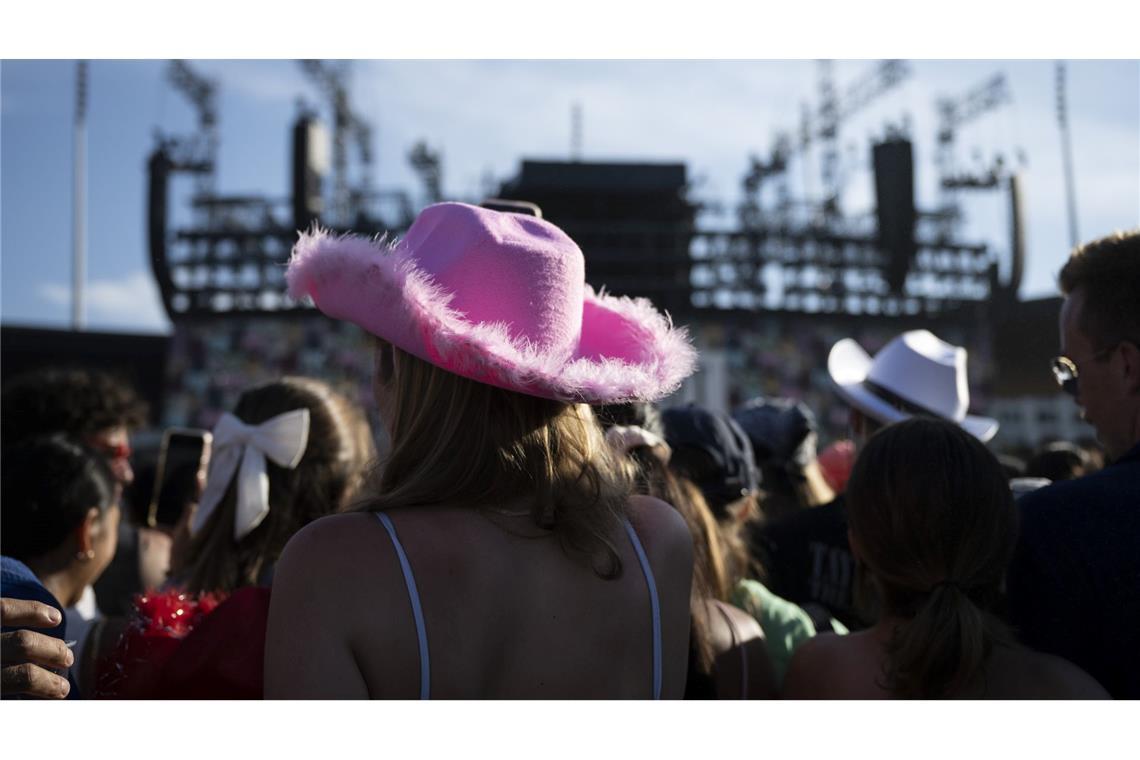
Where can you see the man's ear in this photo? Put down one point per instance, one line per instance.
(1130, 361)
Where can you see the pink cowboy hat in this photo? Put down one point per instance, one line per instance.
(496, 297)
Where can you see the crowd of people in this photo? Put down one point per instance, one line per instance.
(543, 525)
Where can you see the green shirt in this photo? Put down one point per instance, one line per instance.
(785, 625)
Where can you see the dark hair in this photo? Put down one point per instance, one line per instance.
(934, 521)
(73, 401)
(1058, 461)
(1108, 270)
(49, 485)
(331, 472)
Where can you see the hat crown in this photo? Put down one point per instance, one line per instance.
(925, 370)
(729, 468)
(505, 268)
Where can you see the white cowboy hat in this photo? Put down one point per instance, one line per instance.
(916, 373)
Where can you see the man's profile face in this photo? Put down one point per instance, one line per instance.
(1096, 394)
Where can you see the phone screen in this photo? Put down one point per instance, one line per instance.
(181, 460)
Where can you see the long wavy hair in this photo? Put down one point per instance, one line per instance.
(934, 522)
(458, 441)
(332, 472)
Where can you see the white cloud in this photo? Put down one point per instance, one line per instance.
(126, 303)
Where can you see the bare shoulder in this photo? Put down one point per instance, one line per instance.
(745, 624)
(1028, 674)
(327, 540)
(813, 666)
(657, 521)
(338, 555)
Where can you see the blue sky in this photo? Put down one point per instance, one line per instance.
(485, 116)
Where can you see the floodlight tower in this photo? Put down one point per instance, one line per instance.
(953, 114)
(202, 94)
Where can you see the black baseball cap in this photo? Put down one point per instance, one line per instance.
(782, 431)
(713, 451)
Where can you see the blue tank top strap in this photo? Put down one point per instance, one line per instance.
(654, 606)
(417, 611)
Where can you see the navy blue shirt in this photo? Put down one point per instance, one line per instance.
(17, 581)
(808, 561)
(1074, 584)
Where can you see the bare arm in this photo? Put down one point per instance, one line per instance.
(307, 649)
(669, 547)
(749, 651)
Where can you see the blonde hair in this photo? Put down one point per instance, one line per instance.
(458, 441)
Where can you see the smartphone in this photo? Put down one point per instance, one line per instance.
(182, 459)
(526, 208)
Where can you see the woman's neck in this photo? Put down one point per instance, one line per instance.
(58, 579)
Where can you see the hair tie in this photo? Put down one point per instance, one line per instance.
(948, 583)
(282, 439)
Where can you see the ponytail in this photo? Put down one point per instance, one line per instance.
(933, 522)
(942, 649)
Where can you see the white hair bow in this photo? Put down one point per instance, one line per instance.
(282, 439)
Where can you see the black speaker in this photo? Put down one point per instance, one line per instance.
(310, 164)
(1016, 238)
(894, 208)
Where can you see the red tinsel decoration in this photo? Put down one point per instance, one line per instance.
(160, 621)
(172, 613)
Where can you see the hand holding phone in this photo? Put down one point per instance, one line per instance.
(180, 476)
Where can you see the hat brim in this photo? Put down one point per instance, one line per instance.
(848, 365)
(627, 350)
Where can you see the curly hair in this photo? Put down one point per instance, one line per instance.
(77, 402)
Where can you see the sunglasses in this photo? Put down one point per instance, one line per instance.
(1066, 373)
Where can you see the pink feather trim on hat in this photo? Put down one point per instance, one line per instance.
(530, 324)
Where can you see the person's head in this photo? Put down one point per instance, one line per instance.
(783, 436)
(1100, 337)
(227, 551)
(60, 510)
(458, 441)
(490, 347)
(932, 519)
(712, 450)
(89, 405)
(1056, 461)
(916, 374)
